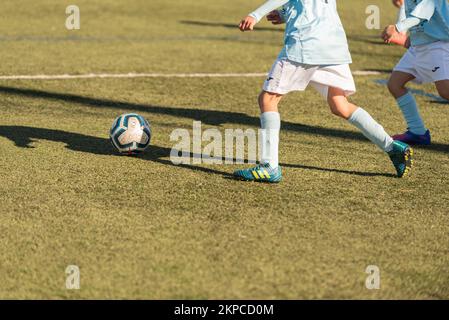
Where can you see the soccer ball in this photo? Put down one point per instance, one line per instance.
(130, 134)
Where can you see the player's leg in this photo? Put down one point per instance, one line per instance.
(285, 76)
(443, 88)
(270, 122)
(357, 116)
(269, 102)
(400, 153)
(417, 133)
(397, 82)
(339, 104)
(439, 55)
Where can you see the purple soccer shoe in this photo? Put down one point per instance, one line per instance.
(414, 139)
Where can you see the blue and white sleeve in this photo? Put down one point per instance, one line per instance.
(408, 23)
(424, 10)
(266, 8)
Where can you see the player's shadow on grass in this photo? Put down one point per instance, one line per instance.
(368, 39)
(23, 137)
(350, 172)
(209, 117)
(440, 102)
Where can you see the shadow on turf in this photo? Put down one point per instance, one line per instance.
(210, 117)
(375, 40)
(355, 173)
(24, 136)
(440, 102)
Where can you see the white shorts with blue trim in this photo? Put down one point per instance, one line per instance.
(286, 76)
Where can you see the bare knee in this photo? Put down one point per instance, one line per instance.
(342, 110)
(397, 89)
(444, 94)
(269, 101)
(339, 105)
(338, 113)
(396, 83)
(443, 89)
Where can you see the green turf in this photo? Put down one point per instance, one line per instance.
(145, 228)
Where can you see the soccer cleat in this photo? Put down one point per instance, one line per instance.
(260, 173)
(402, 158)
(414, 139)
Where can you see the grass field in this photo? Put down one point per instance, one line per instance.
(141, 227)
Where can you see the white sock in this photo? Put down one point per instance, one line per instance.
(271, 125)
(371, 129)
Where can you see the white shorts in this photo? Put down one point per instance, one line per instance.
(286, 76)
(427, 63)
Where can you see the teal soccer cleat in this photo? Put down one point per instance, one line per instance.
(402, 158)
(260, 173)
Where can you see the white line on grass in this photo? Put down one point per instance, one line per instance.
(151, 75)
(368, 73)
(131, 75)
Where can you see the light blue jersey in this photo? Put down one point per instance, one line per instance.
(434, 15)
(314, 34)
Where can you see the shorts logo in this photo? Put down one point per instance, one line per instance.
(269, 79)
(435, 70)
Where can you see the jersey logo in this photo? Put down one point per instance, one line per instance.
(435, 70)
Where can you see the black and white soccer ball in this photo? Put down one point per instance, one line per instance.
(130, 134)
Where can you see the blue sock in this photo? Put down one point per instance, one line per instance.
(409, 108)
